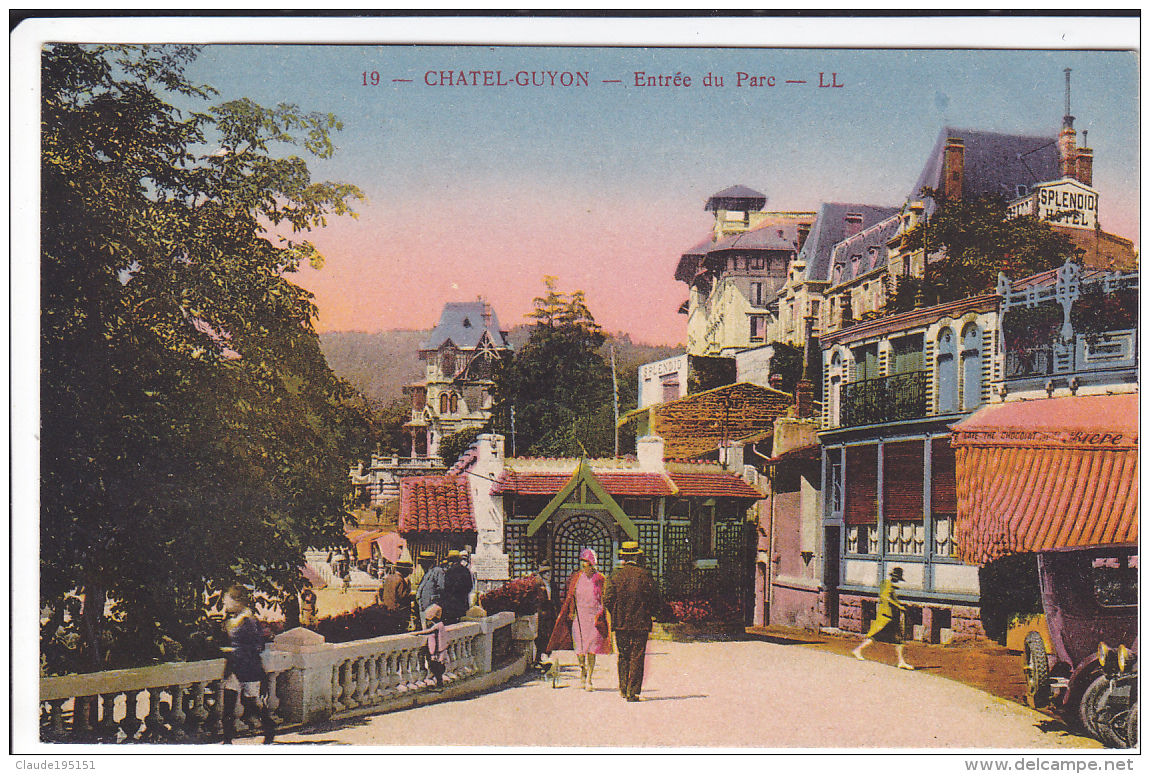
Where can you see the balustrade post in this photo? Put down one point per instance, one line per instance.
(177, 717)
(153, 723)
(56, 719)
(351, 686)
(198, 713)
(215, 724)
(336, 688)
(81, 722)
(105, 723)
(272, 700)
(371, 679)
(390, 673)
(131, 722)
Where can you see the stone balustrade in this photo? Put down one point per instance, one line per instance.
(309, 680)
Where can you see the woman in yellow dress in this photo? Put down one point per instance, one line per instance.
(887, 626)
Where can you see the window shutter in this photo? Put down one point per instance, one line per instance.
(902, 479)
(943, 499)
(861, 485)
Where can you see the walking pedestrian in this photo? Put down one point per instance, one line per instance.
(395, 598)
(309, 609)
(244, 674)
(546, 607)
(430, 591)
(457, 585)
(631, 598)
(887, 626)
(582, 621)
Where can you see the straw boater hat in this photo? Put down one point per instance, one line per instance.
(454, 556)
(403, 564)
(630, 548)
(426, 555)
(545, 567)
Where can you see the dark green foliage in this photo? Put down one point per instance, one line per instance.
(1031, 326)
(192, 432)
(787, 362)
(392, 418)
(707, 373)
(1008, 587)
(979, 241)
(558, 383)
(454, 445)
(1096, 312)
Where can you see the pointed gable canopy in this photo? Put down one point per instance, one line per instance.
(581, 483)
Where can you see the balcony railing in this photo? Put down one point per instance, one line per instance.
(887, 399)
(1034, 361)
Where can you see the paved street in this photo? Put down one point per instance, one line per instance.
(721, 694)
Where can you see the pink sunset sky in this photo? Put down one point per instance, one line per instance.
(481, 191)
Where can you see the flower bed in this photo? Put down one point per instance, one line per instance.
(519, 596)
(705, 609)
(360, 624)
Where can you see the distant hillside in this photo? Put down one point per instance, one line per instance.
(379, 364)
(376, 364)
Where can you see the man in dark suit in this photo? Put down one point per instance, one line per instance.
(631, 598)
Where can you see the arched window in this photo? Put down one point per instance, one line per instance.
(971, 366)
(454, 403)
(947, 371)
(444, 403)
(836, 387)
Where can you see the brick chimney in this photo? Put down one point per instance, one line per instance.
(776, 381)
(804, 399)
(853, 224)
(804, 232)
(1085, 165)
(953, 160)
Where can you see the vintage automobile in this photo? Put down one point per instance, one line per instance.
(1087, 669)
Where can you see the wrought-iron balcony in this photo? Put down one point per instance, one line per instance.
(887, 399)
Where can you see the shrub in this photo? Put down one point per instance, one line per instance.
(519, 596)
(700, 609)
(360, 624)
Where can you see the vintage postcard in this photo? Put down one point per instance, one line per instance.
(575, 384)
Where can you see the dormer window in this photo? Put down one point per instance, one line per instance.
(1021, 190)
(756, 263)
(780, 233)
(466, 322)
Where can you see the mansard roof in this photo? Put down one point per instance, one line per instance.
(869, 244)
(993, 163)
(462, 324)
(829, 229)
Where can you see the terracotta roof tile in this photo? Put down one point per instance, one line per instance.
(638, 484)
(714, 485)
(435, 504)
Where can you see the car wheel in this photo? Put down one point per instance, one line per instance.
(1037, 670)
(1092, 701)
(1132, 726)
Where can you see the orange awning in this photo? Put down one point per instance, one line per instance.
(1041, 474)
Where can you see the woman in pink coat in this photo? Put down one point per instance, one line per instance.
(582, 623)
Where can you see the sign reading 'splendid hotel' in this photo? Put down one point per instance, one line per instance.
(1064, 202)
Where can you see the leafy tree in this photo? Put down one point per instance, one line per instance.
(192, 432)
(558, 383)
(978, 241)
(393, 438)
(454, 445)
